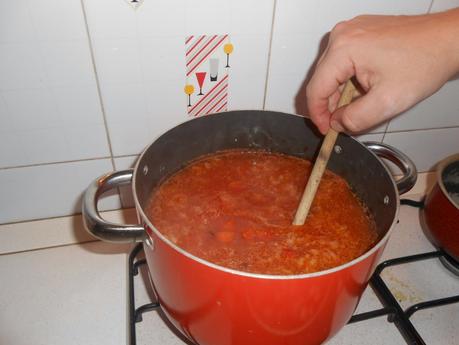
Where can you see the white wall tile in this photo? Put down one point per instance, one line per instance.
(43, 20)
(138, 113)
(162, 58)
(207, 17)
(30, 109)
(443, 5)
(161, 18)
(299, 27)
(49, 105)
(248, 71)
(51, 125)
(369, 137)
(20, 66)
(19, 148)
(291, 51)
(439, 110)
(124, 100)
(126, 162)
(78, 105)
(286, 94)
(57, 20)
(321, 16)
(117, 60)
(110, 19)
(17, 25)
(165, 107)
(85, 141)
(67, 63)
(125, 108)
(249, 17)
(142, 76)
(43, 108)
(426, 147)
(130, 138)
(166, 104)
(49, 190)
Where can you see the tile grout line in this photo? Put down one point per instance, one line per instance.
(136, 155)
(269, 54)
(66, 162)
(78, 214)
(99, 93)
(49, 247)
(385, 131)
(54, 163)
(422, 129)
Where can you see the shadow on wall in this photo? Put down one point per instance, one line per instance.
(301, 106)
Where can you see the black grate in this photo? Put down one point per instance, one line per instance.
(391, 308)
(135, 314)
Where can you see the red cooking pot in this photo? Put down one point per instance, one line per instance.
(214, 305)
(441, 208)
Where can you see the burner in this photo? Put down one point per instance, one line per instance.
(451, 264)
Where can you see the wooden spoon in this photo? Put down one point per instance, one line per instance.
(321, 161)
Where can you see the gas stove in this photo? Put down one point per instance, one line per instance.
(412, 297)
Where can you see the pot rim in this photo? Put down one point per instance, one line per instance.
(344, 266)
(439, 172)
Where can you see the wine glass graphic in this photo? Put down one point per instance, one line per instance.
(200, 76)
(189, 89)
(228, 49)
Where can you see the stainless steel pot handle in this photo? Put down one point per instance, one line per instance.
(401, 160)
(100, 228)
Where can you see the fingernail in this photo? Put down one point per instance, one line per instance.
(336, 126)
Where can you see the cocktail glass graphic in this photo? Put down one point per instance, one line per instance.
(200, 76)
(228, 49)
(189, 89)
(213, 68)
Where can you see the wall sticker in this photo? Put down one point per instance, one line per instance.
(207, 73)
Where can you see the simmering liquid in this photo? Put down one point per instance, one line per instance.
(235, 209)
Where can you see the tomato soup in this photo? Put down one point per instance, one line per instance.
(235, 209)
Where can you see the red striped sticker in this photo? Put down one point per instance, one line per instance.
(207, 65)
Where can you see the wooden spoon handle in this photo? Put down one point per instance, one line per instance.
(321, 161)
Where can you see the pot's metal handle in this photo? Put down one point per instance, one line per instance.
(100, 228)
(401, 160)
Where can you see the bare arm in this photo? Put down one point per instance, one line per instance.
(398, 61)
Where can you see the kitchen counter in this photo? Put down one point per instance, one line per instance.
(77, 294)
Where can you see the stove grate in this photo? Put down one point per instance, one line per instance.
(135, 314)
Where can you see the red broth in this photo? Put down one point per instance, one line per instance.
(235, 209)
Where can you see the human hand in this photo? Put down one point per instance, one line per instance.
(397, 60)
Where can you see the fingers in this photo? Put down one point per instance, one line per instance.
(334, 99)
(365, 112)
(330, 73)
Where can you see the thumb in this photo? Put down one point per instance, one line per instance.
(363, 113)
